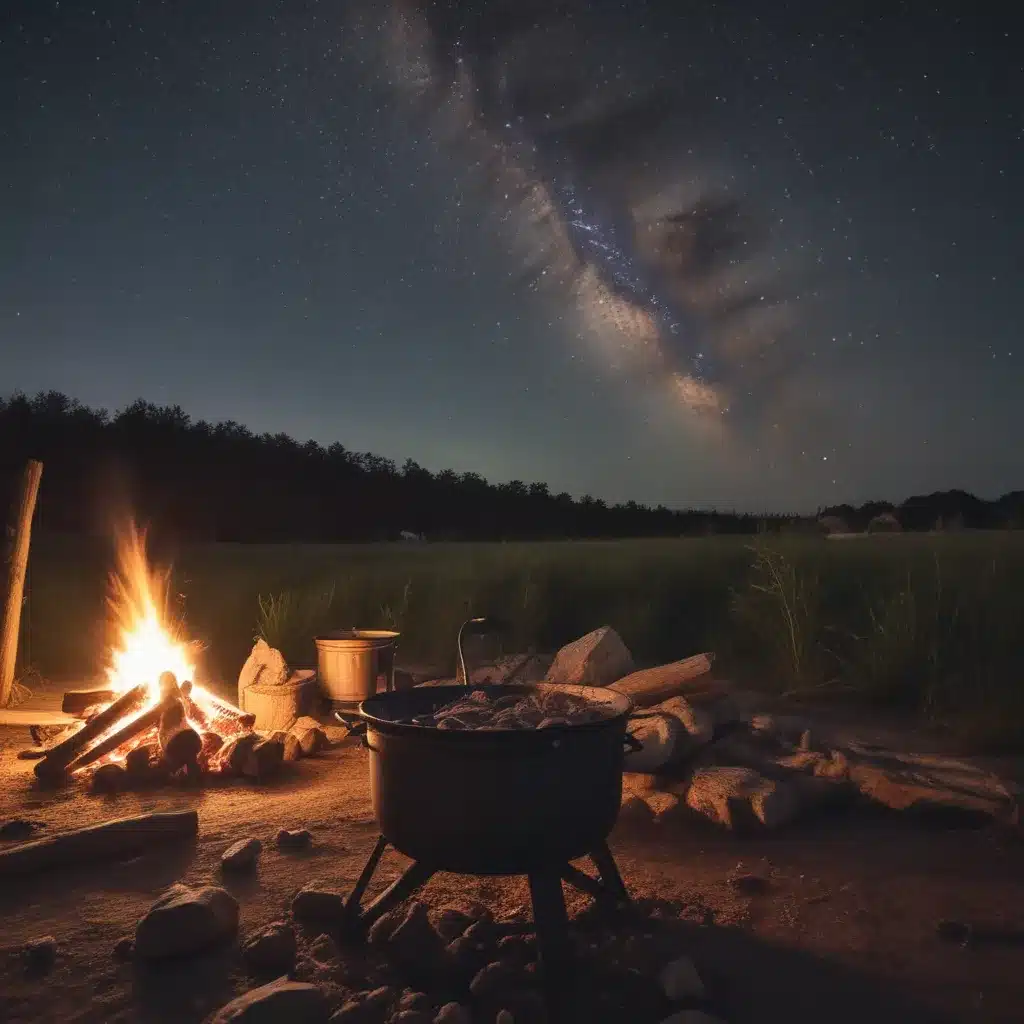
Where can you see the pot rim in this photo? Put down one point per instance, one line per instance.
(450, 692)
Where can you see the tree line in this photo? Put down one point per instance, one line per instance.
(191, 480)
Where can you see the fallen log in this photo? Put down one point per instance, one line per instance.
(651, 686)
(76, 702)
(55, 764)
(179, 742)
(142, 723)
(110, 840)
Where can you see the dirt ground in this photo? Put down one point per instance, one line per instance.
(845, 931)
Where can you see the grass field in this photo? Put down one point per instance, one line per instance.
(929, 623)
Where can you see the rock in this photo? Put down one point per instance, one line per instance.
(930, 786)
(271, 949)
(292, 748)
(740, 798)
(314, 903)
(265, 666)
(241, 856)
(304, 722)
(17, 828)
(518, 950)
(281, 1000)
(412, 1000)
(311, 740)
(494, 980)
(412, 1017)
(597, 659)
(322, 949)
(124, 948)
(236, 750)
(453, 1013)
(294, 839)
(108, 778)
(40, 954)
(381, 930)
(680, 981)
(367, 1007)
(137, 763)
(335, 734)
(658, 736)
(467, 955)
(186, 920)
(414, 940)
(451, 923)
(661, 805)
(263, 760)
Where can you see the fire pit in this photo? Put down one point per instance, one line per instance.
(498, 796)
(154, 720)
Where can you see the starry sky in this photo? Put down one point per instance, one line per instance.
(734, 255)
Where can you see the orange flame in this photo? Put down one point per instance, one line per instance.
(147, 645)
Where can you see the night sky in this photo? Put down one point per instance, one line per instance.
(747, 255)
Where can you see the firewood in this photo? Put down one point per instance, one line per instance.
(167, 685)
(653, 685)
(77, 702)
(130, 731)
(123, 837)
(225, 715)
(55, 764)
(179, 742)
(195, 713)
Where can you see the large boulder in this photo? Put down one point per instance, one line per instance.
(597, 659)
(186, 920)
(265, 666)
(281, 1000)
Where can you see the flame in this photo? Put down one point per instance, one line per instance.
(147, 646)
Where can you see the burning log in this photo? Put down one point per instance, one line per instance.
(55, 764)
(240, 721)
(123, 837)
(179, 742)
(77, 702)
(136, 726)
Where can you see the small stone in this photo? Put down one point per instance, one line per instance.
(453, 1013)
(451, 923)
(294, 839)
(381, 929)
(264, 760)
(311, 740)
(336, 734)
(186, 920)
(413, 1000)
(124, 948)
(17, 828)
(292, 747)
(293, 1001)
(322, 949)
(241, 856)
(414, 940)
(468, 956)
(517, 949)
(271, 949)
(40, 954)
(108, 778)
(680, 981)
(312, 903)
(493, 980)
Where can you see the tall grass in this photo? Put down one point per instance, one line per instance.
(926, 623)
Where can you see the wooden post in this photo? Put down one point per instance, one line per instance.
(16, 579)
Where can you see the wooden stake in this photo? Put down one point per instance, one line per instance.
(16, 578)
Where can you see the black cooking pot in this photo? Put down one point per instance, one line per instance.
(495, 802)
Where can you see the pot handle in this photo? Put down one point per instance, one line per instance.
(632, 744)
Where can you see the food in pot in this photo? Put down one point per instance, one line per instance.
(541, 710)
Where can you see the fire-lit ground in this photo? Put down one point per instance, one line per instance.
(845, 931)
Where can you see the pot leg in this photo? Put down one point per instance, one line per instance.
(608, 872)
(408, 882)
(552, 925)
(352, 907)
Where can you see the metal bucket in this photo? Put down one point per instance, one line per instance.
(354, 664)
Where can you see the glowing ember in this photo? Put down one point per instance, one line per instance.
(139, 602)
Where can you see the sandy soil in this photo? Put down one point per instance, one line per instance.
(844, 932)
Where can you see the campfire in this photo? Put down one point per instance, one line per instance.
(153, 721)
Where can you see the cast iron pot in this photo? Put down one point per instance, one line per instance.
(496, 802)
